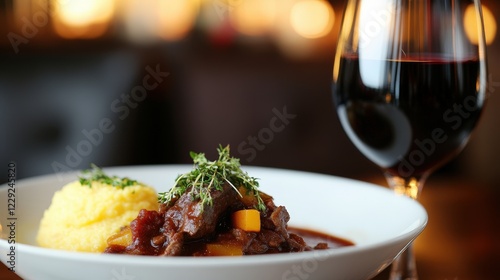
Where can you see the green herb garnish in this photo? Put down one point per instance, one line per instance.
(209, 175)
(95, 174)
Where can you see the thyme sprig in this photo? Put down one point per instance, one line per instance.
(95, 174)
(211, 175)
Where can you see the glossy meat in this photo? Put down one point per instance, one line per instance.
(185, 227)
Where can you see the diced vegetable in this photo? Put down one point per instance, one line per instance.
(247, 220)
(217, 249)
(122, 238)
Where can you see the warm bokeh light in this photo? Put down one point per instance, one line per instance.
(254, 18)
(82, 18)
(148, 20)
(490, 24)
(312, 18)
(303, 27)
(140, 24)
(176, 18)
(84, 12)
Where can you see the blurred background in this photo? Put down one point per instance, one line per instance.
(135, 82)
(224, 69)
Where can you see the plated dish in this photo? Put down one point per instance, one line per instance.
(369, 215)
(216, 209)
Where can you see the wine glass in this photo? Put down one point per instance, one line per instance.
(409, 87)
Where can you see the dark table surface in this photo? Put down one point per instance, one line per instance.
(462, 238)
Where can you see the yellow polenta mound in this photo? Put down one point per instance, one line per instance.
(81, 218)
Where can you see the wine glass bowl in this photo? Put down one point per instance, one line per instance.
(409, 88)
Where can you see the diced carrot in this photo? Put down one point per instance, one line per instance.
(122, 238)
(247, 220)
(217, 249)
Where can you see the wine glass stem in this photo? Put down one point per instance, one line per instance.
(404, 266)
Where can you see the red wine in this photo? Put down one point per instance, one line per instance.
(408, 116)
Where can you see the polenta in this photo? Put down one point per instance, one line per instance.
(82, 217)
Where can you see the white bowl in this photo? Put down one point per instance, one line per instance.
(380, 223)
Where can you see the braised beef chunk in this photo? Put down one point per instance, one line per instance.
(147, 225)
(144, 228)
(184, 228)
(188, 220)
(274, 233)
(196, 220)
